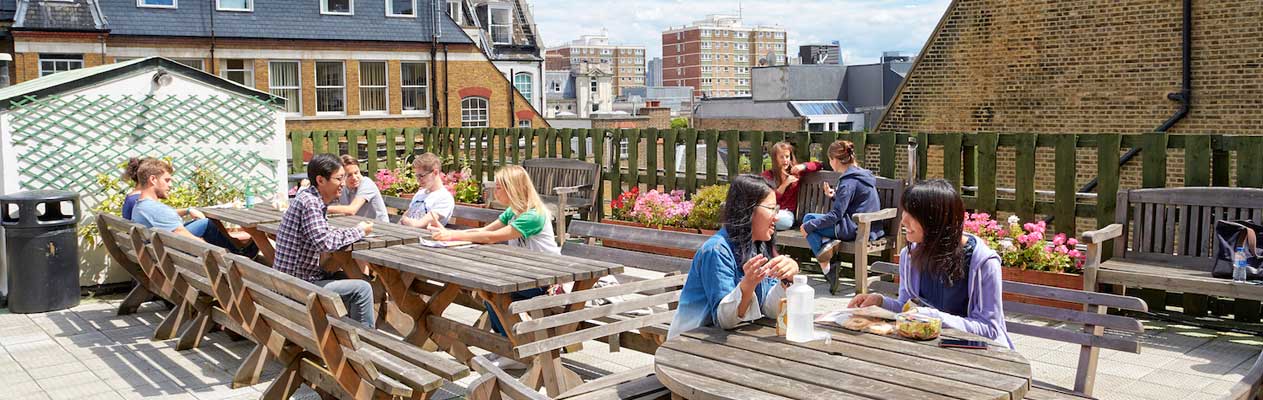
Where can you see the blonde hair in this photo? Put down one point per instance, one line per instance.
(517, 185)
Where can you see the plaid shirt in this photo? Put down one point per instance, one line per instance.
(305, 233)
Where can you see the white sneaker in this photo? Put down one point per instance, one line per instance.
(505, 363)
(825, 267)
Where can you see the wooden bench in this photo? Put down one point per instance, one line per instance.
(1249, 386)
(561, 321)
(812, 199)
(569, 188)
(1122, 336)
(1166, 242)
(116, 234)
(678, 261)
(305, 328)
(637, 383)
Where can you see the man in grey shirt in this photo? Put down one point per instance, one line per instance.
(360, 195)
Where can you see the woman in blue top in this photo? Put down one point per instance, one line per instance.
(737, 268)
(856, 193)
(954, 273)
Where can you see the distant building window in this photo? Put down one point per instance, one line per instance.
(499, 18)
(53, 63)
(234, 5)
(344, 7)
(330, 87)
(373, 87)
(240, 71)
(156, 3)
(557, 87)
(414, 81)
(473, 112)
(454, 10)
(195, 63)
(284, 81)
(524, 83)
(401, 8)
(526, 123)
(679, 48)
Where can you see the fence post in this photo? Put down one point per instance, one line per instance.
(690, 160)
(887, 142)
(319, 141)
(651, 157)
(565, 135)
(479, 156)
(371, 149)
(410, 142)
(296, 142)
(860, 140)
(951, 159)
(802, 148)
(669, 168)
(1064, 177)
(1107, 147)
(756, 151)
(733, 142)
(392, 145)
(1154, 160)
(1025, 184)
(615, 161)
(712, 156)
(353, 143)
(923, 154)
(633, 156)
(988, 143)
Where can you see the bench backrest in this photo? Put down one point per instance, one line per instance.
(1122, 336)
(549, 330)
(812, 199)
(550, 173)
(277, 309)
(677, 247)
(116, 236)
(185, 259)
(1176, 226)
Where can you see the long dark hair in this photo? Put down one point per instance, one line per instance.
(744, 194)
(941, 212)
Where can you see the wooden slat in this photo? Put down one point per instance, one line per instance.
(1075, 316)
(886, 144)
(749, 378)
(505, 382)
(560, 341)
(652, 262)
(1075, 296)
(589, 313)
(1025, 170)
(1107, 183)
(1064, 177)
(1176, 280)
(670, 172)
(652, 237)
(952, 159)
(707, 388)
(545, 302)
(390, 258)
(712, 157)
(1080, 338)
(732, 141)
(414, 356)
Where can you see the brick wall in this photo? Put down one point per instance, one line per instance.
(659, 117)
(787, 125)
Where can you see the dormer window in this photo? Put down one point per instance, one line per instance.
(401, 8)
(454, 10)
(337, 7)
(499, 20)
(156, 3)
(234, 5)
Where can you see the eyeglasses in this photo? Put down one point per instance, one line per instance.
(774, 208)
(425, 174)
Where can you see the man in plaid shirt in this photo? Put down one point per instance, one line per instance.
(305, 233)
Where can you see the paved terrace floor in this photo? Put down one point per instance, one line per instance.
(89, 353)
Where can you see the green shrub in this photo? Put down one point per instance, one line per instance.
(708, 204)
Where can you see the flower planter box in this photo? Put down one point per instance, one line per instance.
(644, 247)
(1054, 279)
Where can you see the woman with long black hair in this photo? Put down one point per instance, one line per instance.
(738, 267)
(954, 273)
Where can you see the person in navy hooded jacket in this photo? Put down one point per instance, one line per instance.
(856, 192)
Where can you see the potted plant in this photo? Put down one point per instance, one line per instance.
(1029, 257)
(707, 206)
(652, 209)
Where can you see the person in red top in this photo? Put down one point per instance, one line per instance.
(784, 175)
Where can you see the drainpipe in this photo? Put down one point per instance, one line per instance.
(212, 39)
(447, 66)
(512, 91)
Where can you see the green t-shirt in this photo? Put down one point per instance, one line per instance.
(537, 232)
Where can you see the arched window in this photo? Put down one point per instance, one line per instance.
(473, 112)
(524, 83)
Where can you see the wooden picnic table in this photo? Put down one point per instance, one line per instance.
(383, 235)
(491, 273)
(249, 220)
(752, 362)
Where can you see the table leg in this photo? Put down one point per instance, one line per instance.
(265, 246)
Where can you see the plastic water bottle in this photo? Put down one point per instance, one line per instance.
(1239, 265)
(801, 311)
(249, 196)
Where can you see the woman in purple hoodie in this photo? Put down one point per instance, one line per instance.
(955, 273)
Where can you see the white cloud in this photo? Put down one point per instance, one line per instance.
(864, 28)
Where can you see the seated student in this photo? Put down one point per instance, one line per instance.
(305, 233)
(359, 196)
(432, 206)
(154, 176)
(525, 223)
(129, 175)
(784, 175)
(856, 193)
(955, 273)
(736, 275)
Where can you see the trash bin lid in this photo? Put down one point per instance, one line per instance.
(39, 195)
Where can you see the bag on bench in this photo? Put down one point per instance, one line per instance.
(1232, 234)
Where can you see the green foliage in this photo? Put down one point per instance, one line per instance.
(679, 123)
(203, 188)
(468, 191)
(708, 204)
(743, 165)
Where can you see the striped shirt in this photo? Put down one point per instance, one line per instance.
(305, 233)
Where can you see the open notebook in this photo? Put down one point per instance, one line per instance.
(450, 244)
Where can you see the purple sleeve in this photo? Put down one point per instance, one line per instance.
(986, 315)
(906, 276)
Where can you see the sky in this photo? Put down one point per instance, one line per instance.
(865, 28)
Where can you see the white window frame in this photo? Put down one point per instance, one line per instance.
(525, 123)
(385, 87)
(324, 8)
(391, 13)
(705, 56)
(458, 14)
(425, 68)
(316, 80)
(298, 73)
(492, 23)
(56, 60)
(249, 7)
(141, 4)
(530, 91)
(247, 68)
(471, 111)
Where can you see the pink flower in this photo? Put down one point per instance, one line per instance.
(1059, 240)
(1075, 254)
(1072, 242)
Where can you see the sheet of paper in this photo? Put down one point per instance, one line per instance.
(439, 244)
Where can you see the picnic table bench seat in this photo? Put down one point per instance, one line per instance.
(116, 235)
(1164, 239)
(812, 199)
(636, 384)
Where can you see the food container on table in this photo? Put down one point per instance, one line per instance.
(918, 326)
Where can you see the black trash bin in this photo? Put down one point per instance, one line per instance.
(41, 249)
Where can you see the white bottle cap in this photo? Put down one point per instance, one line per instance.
(800, 279)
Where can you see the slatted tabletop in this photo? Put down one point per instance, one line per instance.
(244, 217)
(752, 362)
(384, 235)
(493, 268)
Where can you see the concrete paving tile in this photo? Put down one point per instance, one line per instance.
(220, 392)
(110, 395)
(1060, 358)
(23, 388)
(148, 395)
(78, 391)
(12, 338)
(1220, 387)
(1177, 379)
(1123, 369)
(1115, 395)
(13, 377)
(1052, 374)
(1224, 352)
(73, 367)
(1201, 366)
(138, 382)
(66, 323)
(1147, 390)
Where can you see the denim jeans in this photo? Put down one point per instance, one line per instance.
(816, 238)
(206, 230)
(519, 295)
(357, 296)
(784, 220)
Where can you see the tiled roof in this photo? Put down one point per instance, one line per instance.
(7, 7)
(279, 19)
(74, 15)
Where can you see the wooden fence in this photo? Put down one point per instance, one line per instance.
(970, 159)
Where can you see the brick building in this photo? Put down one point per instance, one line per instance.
(715, 55)
(505, 30)
(1083, 66)
(627, 62)
(341, 64)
